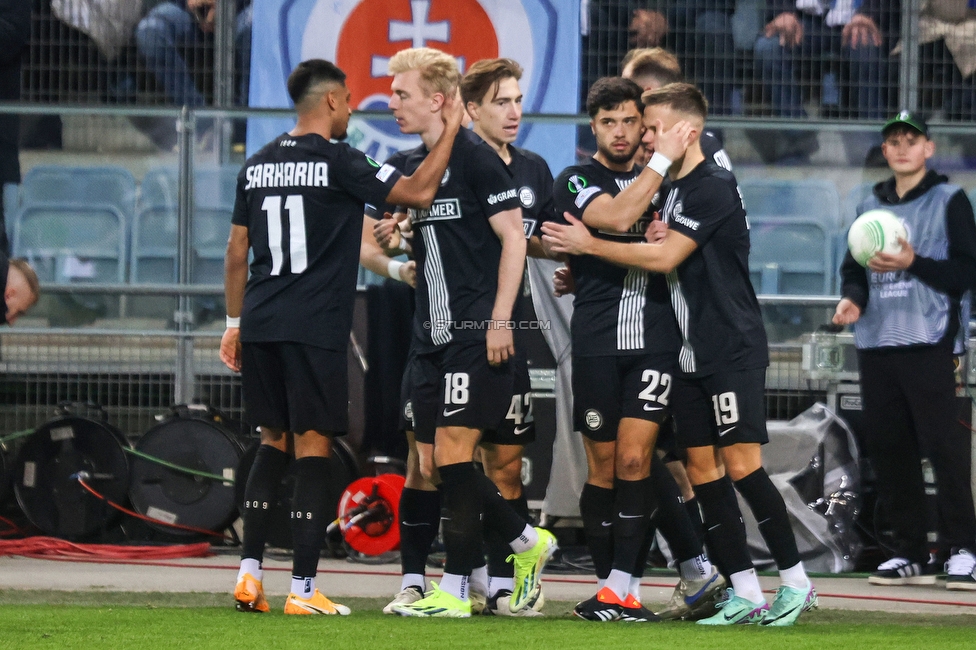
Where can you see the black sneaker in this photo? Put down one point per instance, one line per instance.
(961, 570)
(605, 606)
(900, 571)
(638, 614)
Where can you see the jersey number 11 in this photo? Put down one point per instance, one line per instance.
(297, 251)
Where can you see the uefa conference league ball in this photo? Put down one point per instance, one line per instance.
(873, 232)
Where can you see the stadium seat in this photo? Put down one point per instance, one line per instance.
(154, 230)
(82, 243)
(72, 186)
(11, 203)
(214, 192)
(816, 200)
(154, 237)
(72, 223)
(790, 256)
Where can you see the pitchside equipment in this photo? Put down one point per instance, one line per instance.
(51, 462)
(176, 477)
(873, 232)
(368, 514)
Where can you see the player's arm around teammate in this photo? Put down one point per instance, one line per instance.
(292, 383)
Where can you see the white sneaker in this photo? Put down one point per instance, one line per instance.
(478, 602)
(500, 605)
(407, 596)
(961, 571)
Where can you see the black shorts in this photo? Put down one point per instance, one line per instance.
(456, 387)
(606, 389)
(518, 426)
(422, 421)
(295, 387)
(667, 443)
(721, 409)
(406, 422)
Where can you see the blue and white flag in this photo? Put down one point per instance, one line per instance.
(360, 36)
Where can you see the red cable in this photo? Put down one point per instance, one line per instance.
(132, 513)
(51, 547)
(14, 528)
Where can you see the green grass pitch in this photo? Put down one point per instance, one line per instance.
(47, 619)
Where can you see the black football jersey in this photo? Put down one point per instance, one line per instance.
(711, 146)
(713, 299)
(616, 310)
(301, 200)
(534, 182)
(457, 251)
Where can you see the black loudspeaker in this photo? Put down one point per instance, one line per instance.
(45, 476)
(197, 439)
(343, 470)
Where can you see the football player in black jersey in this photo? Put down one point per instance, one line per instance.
(491, 94)
(625, 341)
(653, 67)
(299, 210)
(718, 396)
(470, 252)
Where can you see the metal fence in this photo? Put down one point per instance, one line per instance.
(781, 58)
(91, 97)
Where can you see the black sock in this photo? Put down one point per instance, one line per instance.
(420, 518)
(260, 493)
(309, 519)
(629, 522)
(725, 533)
(768, 508)
(694, 513)
(672, 518)
(461, 511)
(498, 549)
(596, 509)
(641, 564)
(500, 517)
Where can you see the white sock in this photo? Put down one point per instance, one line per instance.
(634, 589)
(795, 577)
(413, 580)
(525, 541)
(601, 583)
(619, 583)
(479, 580)
(497, 584)
(252, 566)
(303, 587)
(746, 585)
(697, 568)
(455, 585)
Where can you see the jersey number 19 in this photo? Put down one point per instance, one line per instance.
(297, 251)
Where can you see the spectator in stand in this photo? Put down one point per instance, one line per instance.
(947, 34)
(169, 38)
(800, 43)
(700, 33)
(14, 35)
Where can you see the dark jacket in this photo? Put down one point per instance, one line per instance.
(14, 36)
